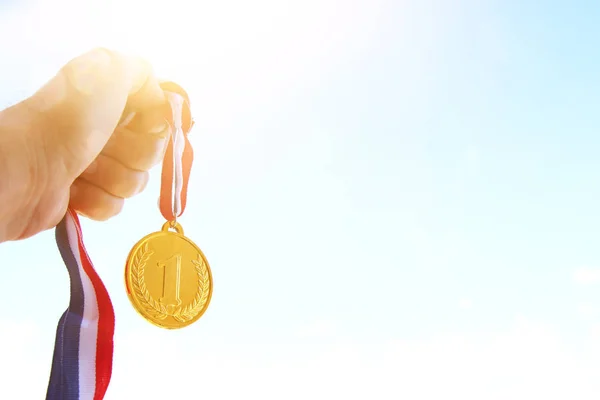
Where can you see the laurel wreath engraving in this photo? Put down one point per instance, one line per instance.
(159, 310)
(185, 314)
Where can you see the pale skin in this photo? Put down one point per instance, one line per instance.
(64, 146)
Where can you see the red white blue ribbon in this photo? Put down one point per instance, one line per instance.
(83, 352)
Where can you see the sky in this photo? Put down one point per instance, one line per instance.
(398, 199)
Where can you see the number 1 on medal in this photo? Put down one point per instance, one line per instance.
(171, 279)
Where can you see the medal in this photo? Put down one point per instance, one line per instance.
(167, 277)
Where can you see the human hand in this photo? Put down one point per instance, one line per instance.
(65, 145)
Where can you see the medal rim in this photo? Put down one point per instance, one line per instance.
(133, 299)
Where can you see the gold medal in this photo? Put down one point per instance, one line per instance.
(168, 279)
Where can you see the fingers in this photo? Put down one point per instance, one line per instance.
(138, 151)
(94, 202)
(100, 190)
(77, 115)
(115, 178)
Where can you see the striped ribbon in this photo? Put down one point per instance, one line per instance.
(82, 362)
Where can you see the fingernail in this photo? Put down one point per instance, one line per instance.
(126, 118)
(159, 129)
(149, 123)
(89, 71)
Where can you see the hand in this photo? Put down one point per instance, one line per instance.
(64, 145)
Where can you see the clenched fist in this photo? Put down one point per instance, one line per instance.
(86, 139)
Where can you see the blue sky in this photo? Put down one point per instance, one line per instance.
(397, 198)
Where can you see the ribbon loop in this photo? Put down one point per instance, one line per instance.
(179, 156)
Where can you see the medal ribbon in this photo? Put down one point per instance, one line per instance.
(83, 350)
(179, 156)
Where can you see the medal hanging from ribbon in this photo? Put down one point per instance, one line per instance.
(167, 277)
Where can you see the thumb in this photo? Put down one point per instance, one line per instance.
(78, 110)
